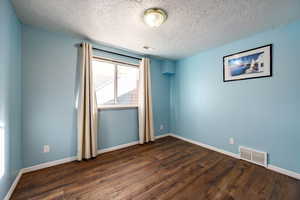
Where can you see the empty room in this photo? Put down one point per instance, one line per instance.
(149, 99)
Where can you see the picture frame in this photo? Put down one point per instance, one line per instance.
(249, 64)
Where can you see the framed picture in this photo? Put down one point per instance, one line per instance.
(253, 63)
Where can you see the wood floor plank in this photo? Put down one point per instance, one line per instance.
(169, 168)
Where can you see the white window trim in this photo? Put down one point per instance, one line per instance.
(116, 106)
(115, 61)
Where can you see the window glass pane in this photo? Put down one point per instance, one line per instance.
(127, 85)
(104, 82)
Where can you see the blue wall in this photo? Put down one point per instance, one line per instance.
(10, 93)
(49, 93)
(259, 113)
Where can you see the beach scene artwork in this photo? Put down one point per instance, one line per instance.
(253, 63)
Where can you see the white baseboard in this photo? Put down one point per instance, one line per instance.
(48, 164)
(70, 159)
(164, 135)
(284, 171)
(66, 160)
(207, 146)
(100, 151)
(270, 167)
(14, 185)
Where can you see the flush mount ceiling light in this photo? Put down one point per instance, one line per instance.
(154, 17)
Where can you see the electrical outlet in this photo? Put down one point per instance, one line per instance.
(161, 127)
(231, 140)
(46, 148)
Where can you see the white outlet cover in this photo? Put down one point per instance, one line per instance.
(161, 127)
(46, 148)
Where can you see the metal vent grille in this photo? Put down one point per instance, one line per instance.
(245, 154)
(254, 156)
(258, 157)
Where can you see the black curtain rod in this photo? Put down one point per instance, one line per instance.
(115, 53)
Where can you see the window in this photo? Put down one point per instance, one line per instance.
(116, 83)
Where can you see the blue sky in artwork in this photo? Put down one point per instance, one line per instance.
(243, 60)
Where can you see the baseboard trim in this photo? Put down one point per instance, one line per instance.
(234, 155)
(284, 171)
(14, 185)
(122, 146)
(48, 164)
(164, 135)
(70, 159)
(207, 146)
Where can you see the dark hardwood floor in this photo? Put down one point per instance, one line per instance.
(167, 169)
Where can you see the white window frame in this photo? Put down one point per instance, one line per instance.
(116, 63)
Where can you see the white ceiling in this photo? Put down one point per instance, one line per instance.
(192, 25)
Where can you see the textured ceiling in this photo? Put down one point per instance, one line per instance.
(192, 25)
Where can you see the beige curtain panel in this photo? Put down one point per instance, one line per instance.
(87, 108)
(146, 130)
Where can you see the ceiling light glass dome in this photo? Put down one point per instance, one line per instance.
(154, 17)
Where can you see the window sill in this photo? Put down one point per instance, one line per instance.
(109, 107)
